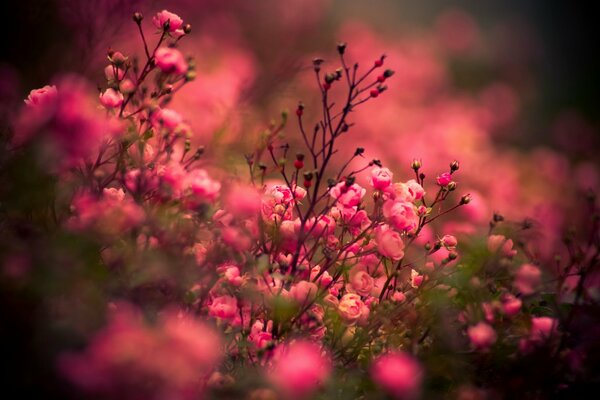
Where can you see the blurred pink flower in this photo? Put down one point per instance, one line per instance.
(399, 374)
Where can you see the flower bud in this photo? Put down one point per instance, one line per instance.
(187, 29)
(466, 199)
(416, 164)
(137, 17)
(454, 165)
(341, 47)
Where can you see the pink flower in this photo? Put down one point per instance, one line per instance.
(399, 374)
(360, 281)
(351, 308)
(499, 243)
(161, 18)
(223, 307)
(43, 96)
(449, 241)
(511, 305)
(527, 279)
(243, 201)
(348, 196)
(444, 179)
(260, 336)
(166, 118)
(482, 336)
(111, 98)
(389, 243)
(405, 192)
(401, 215)
(170, 60)
(113, 73)
(202, 185)
(415, 279)
(381, 178)
(542, 328)
(304, 292)
(299, 368)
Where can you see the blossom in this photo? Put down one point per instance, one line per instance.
(170, 60)
(352, 309)
(499, 243)
(299, 368)
(399, 374)
(42, 96)
(444, 179)
(111, 98)
(527, 279)
(347, 196)
(381, 178)
(401, 215)
(389, 243)
(482, 336)
(161, 18)
(223, 307)
(360, 281)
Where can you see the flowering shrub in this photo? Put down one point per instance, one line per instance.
(295, 282)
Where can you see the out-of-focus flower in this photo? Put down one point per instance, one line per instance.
(527, 279)
(482, 336)
(399, 374)
(170, 60)
(111, 98)
(299, 368)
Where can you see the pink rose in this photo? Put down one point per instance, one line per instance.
(389, 243)
(511, 305)
(170, 60)
(399, 374)
(43, 96)
(111, 98)
(161, 18)
(401, 215)
(527, 279)
(166, 118)
(299, 369)
(348, 196)
(499, 243)
(304, 292)
(444, 179)
(360, 281)
(381, 178)
(223, 307)
(482, 336)
(351, 308)
(542, 328)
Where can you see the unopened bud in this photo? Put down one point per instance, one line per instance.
(137, 17)
(187, 29)
(350, 181)
(317, 63)
(451, 186)
(416, 164)
(466, 199)
(388, 73)
(359, 151)
(454, 165)
(341, 48)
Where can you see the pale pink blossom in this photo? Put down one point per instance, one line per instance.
(43, 96)
(161, 18)
(399, 374)
(223, 307)
(360, 281)
(527, 279)
(381, 178)
(389, 243)
(401, 215)
(347, 196)
(299, 368)
(351, 308)
(482, 336)
(502, 245)
(166, 118)
(170, 60)
(110, 98)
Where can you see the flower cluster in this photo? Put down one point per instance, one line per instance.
(307, 268)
